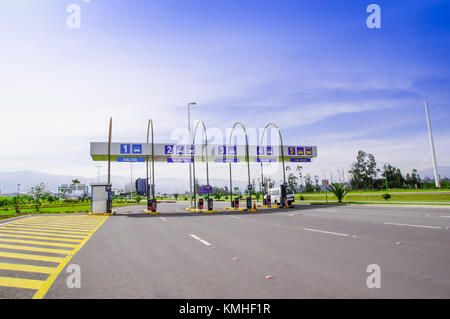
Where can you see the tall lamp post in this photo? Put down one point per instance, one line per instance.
(190, 164)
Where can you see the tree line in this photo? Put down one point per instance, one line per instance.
(364, 175)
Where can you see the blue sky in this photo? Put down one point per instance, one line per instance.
(313, 67)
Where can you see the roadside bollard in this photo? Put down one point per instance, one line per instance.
(154, 204)
(210, 204)
(249, 202)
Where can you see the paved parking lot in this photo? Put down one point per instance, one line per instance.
(304, 252)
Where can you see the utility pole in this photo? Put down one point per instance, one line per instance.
(433, 153)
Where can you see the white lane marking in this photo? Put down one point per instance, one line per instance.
(200, 240)
(421, 226)
(234, 217)
(445, 216)
(163, 219)
(326, 232)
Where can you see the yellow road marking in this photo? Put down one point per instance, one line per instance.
(74, 231)
(42, 250)
(47, 231)
(46, 286)
(31, 257)
(21, 283)
(63, 226)
(35, 242)
(58, 223)
(40, 237)
(68, 230)
(60, 219)
(36, 233)
(27, 268)
(61, 223)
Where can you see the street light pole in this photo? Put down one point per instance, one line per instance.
(190, 164)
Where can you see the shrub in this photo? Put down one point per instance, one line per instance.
(301, 197)
(138, 198)
(386, 196)
(339, 191)
(3, 201)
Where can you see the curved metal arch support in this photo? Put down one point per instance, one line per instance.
(246, 155)
(282, 152)
(193, 166)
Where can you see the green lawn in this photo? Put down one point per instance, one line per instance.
(394, 197)
(54, 208)
(374, 191)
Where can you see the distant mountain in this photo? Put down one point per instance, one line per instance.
(28, 178)
(443, 171)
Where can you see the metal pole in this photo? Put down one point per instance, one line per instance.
(146, 170)
(150, 127)
(231, 188)
(281, 146)
(131, 181)
(98, 174)
(193, 166)
(263, 187)
(433, 153)
(247, 157)
(190, 164)
(109, 151)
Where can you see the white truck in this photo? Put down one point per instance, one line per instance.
(275, 195)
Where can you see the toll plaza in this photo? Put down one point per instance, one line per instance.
(173, 153)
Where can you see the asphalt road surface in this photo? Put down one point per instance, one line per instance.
(303, 252)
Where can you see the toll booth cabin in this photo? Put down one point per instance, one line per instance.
(101, 201)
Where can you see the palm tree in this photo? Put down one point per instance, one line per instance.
(76, 181)
(339, 190)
